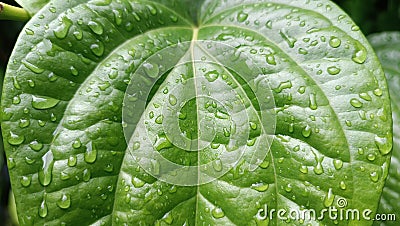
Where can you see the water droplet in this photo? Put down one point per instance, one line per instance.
(91, 153)
(365, 96)
(289, 40)
(304, 169)
(109, 168)
(270, 59)
(306, 132)
(113, 74)
(64, 176)
(29, 31)
(268, 24)
(35, 145)
(371, 157)
(137, 183)
(242, 16)
(384, 144)
(378, 92)
(96, 27)
(334, 42)
(302, 89)
(86, 175)
(45, 173)
(251, 142)
(348, 123)
(217, 165)
(42, 103)
(174, 18)
(328, 201)
(333, 70)
(172, 100)
(264, 164)
(318, 168)
(43, 209)
(97, 49)
(64, 202)
(253, 125)
(25, 181)
(15, 139)
(288, 188)
(261, 187)
(72, 160)
(356, 103)
(63, 28)
(117, 16)
(104, 86)
(283, 85)
(159, 119)
(23, 123)
(217, 213)
(74, 71)
(151, 70)
(77, 144)
(212, 76)
(313, 101)
(374, 176)
(338, 164)
(360, 54)
(152, 10)
(35, 69)
(78, 34)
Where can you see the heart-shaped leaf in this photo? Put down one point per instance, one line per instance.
(387, 47)
(130, 112)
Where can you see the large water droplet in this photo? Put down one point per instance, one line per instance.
(334, 42)
(97, 49)
(318, 169)
(63, 28)
(86, 175)
(35, 145)
(91, 153)
(338, 164)
(96, 27)
(360, 54)
(356, 103)
(117, 17)
(151, 70)
(306, 132)
(333, 70)
(64, 202)
(45, 173)
(42, 103)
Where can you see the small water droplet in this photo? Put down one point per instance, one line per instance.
(268, 24)
(242, 16)
(306, 132)
(328, 201)
(302, 89)
(42, 103)
(371, 157)
(212, 76)
(384, 144)
(288, 188)
(374, 176)
(117, 17)
(313, 101)
(74, 71)
(72, 160)
(283, 85)
(63, 28)
(64, 202)
(23, 123)
(86, 175)
(289, 40)
(172, 100)
(152, 70)
(25, 181)
(318, 168)
(333, 70)
(356, 103)
(365, 96)
(97, 49)
(43, 209)
(334, 42)
(270, 59)
(378, 92)
(253, 125)
(15, 139)
(159, 119)
(109, 168)
(35, 145)
(77, 144)
(29, 31)
(217, 165)
(91, 153)
(304, 169)
(360, 54)
(96, 27)
(338, 164)
(78, 34)
(35, 69)
(261, 187)
(217, 213)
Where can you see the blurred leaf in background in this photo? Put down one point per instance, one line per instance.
(373, 15)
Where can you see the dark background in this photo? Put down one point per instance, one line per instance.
(371, 15)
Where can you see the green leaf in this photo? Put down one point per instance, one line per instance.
(387, 47)
(32, 6)
(107, 104)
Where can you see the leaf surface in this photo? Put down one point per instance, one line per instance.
(286, 98)
(32, 6)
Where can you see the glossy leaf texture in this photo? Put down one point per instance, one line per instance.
(32, 6)
(68, 79)
(387, 47)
